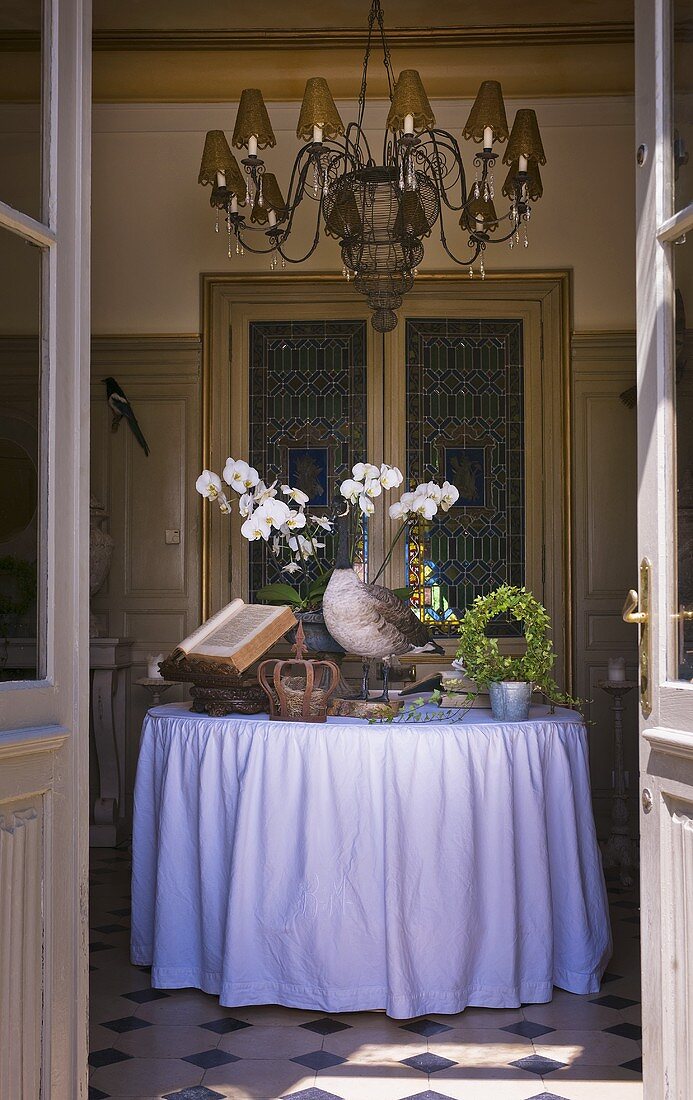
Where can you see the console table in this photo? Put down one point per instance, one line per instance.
(416, 868)
(109, 662)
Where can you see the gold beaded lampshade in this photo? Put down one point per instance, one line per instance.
(480, 208)
(535, 188)
(525, 139)
(488, 110)
(318, 109)
(216, 157)
(409, 98)
(272, 199)
(411, 216)
(344, 219)
(252, 120)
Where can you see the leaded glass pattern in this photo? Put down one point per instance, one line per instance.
(307, 413)
(465, 423)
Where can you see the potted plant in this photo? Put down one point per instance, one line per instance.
(510, 678)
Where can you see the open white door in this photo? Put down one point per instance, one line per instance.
(44, 588)
(664, 612)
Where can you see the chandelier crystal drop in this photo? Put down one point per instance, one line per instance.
(379, 213)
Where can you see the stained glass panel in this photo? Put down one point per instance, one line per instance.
(465, 424)
(307, 412)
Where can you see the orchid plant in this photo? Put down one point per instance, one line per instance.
(294, 534)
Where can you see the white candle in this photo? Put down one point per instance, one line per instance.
(234, 204)
(272, 217)
(522, 164)
(488, 137)
(153, 666)
(479, 223)
(409, 124)
(221, 179)
(252, 145)
(317, 135)
(617, 669)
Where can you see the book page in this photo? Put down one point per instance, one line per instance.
(236, 632)
(210, 626)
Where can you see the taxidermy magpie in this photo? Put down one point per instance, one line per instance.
(121, 407)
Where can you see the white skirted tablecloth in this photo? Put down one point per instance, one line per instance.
(415, 868)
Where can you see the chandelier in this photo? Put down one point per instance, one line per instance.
(379, 212)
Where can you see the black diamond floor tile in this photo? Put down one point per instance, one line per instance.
(110, 928)
(628, 1031)
(143, 996)
(528, 1029)
(635, 1064)
(208, 1059)
(536, 1063)
(612, 1001)
(428, 1095)
(325, 1026)
(607, 977)
(224, 1026)
(107, 1057)
(196, 1092)
(96, 1094)
(319, 1059)
(546, 1096)
(425, 1027)
(120, 912)
(311, 1094)
(127, 1023)
(428, 1063)
(97, 945)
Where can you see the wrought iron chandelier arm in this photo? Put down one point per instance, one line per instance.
(432, 161)
(280, 239)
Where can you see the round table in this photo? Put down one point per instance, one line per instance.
(416, 868)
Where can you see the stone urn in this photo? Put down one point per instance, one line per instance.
(100, 554)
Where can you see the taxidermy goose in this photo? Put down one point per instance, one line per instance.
(368, 619)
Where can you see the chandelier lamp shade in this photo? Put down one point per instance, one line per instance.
(379, 210)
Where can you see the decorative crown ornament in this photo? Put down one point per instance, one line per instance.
(298, 690)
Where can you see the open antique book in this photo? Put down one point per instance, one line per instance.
(237, 635)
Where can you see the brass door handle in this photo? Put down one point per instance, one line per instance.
(630, 615)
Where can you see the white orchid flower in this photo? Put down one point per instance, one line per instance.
(294, 522)
(390, 476)
(296, 495)
(398, 510)
(264, 492)
(366, 504)
(305, 547)
(351, 490)
(429, 489)
(246, 505)
(224, 506)
(450, 494)
(208, 485)
(256, 527)
(424, 506)
(291, 567)
(372, 488)
(276, 511)
(239, 475)
(364, 471)
(322, 522)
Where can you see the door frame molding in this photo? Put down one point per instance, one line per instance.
(549, 291)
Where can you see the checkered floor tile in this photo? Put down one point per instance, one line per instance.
(148, 1044)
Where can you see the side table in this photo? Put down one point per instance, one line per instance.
(618, 849)
(156, 687)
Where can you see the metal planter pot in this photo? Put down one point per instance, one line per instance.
(510, 700)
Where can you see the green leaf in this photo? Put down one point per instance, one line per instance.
(317, 587)
(403, 593)
(279, 593)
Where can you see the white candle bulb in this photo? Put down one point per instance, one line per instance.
(617, 669)
(272, 217)
(479, 223)
(409, 124)
(252, 145)
(488, 137)
(221, 179)
(522, 164)
(234, 204)
(317, 135)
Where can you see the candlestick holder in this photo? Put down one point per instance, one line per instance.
(155, 686)
(618, 851)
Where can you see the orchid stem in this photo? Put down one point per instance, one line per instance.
(390, 552)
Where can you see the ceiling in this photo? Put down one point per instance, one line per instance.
(193, 51)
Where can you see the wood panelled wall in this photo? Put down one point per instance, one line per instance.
(152, 594)
(604, 543)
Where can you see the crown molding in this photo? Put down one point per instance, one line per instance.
(564, 34)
